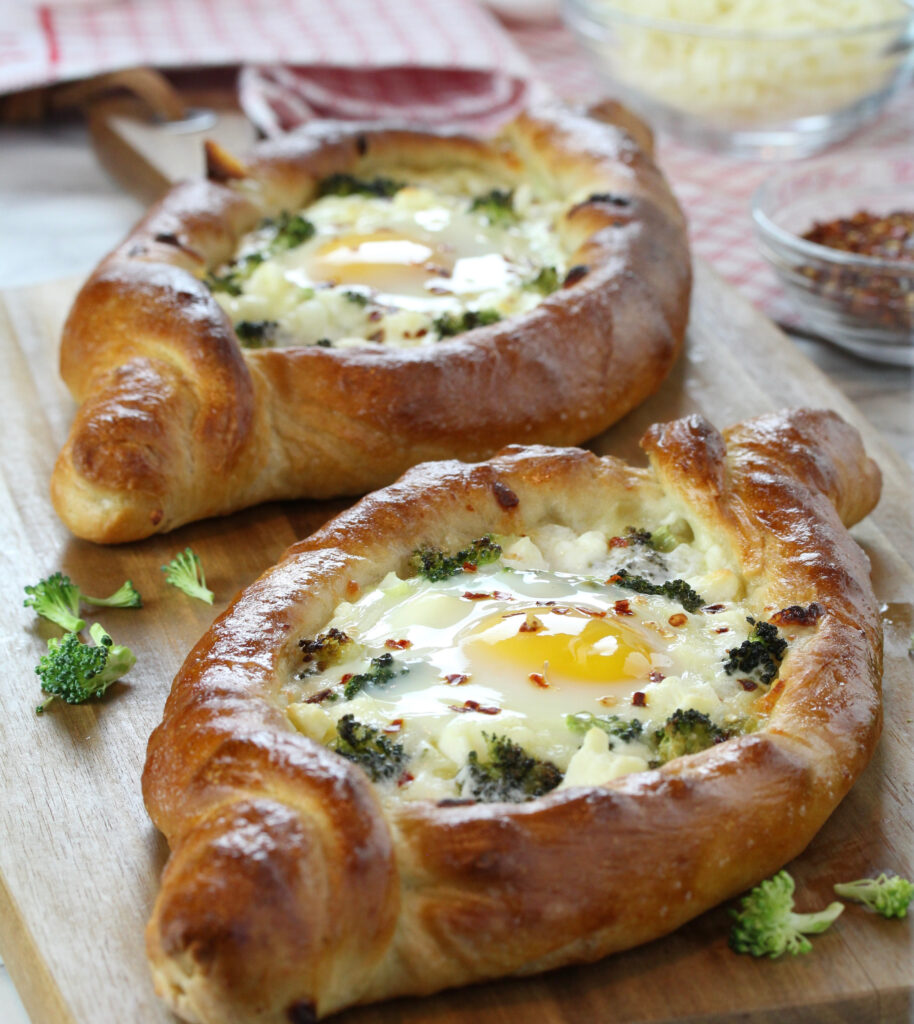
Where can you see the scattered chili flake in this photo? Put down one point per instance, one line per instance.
(405, 779)
(375, 315)
(678, 619)
(880, 297)
(531, 624)
(479, 595)
(456, 679)
(562, 610)
(622, 608)
(474, 705)
(618, 542)
(713, 609)
(655, 677)
(376, 336)
(723, 629)
(395, 726)
(748, 684)
(593, 613)
(797, 615)
(456, 801)
(346, 678)
(469, 567)
(397, 645)
(639, 699)
(316, 698)
(539, 680)
(352, 589)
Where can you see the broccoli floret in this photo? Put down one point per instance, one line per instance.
(287, 231)
(324, 650)
(256, 333)
(75, 671)
(760, 654)
(436, 565)
(612, 725)
(888, 895)
(767, 925)
(369, 748)
(545, 282)
(686, 732)
(509, 773)
(185, 572)
(496, 206)
(675, 590)
(350, 185)
(449, 324)
(290, 230)
(57, 598)
(356, 298)
(380, 671)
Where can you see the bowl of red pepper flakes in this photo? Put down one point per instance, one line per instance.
(839, 232)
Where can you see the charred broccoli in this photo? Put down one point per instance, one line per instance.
(686, 732)
(508, 774)
(287, 231)
(449, 324)
(256, 333)
(57, 598)
(75, 671)
(766, 924)
(888, 895)
(436, 565)
(612, 725)
(545, 282)
(349, 185)
(496, 206)
(675, 590)
(369, 748)
(380, 671)
(760, 654)
(324, 650)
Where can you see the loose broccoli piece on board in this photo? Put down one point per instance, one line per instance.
(888, 895)
(350, 185)
(449, 324)
(760, 654)
(686, 732)
(380, 671)
(369, 748)
(57, 598)
(675, 590)
(185, 572)
(612, 725)
(435, 565)
(75, 671)
(509, 773)
(496, 206)
(766, 924)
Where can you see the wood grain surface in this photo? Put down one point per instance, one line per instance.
(79, 859)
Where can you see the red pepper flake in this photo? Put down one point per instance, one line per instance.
(405, 779)
(531, 624)
(639, 699)
(469, 567)
(377, 336)
(352, 589)
(395, 726)
(655, 677)
(678, 619)
(375, 315)
(619, 542)
(613, 579)
(797, 615)
(504, 495)
(539, 680)
(456, 679)
(316, 698)
(623, 608)
(593, 613)
(562, 610)
(346, 678)
(397, 645)
(496, 595)
(474, 705)
(723, 629)
(713, 609)
(748, 684)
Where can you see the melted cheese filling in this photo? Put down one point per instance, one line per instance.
(515, 647)
(381, 270)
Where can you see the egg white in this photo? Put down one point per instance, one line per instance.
(466, 669)
(415, 256)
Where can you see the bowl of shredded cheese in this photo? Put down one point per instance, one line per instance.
(839, 233)
(759, 78)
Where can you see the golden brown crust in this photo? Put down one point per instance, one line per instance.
(446, 895)
(178, 422)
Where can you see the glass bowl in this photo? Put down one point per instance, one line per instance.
(754, 93)
(861, 303)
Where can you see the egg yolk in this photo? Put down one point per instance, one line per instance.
(383, 260)
(564, 645)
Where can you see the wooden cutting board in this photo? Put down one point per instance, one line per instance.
(79, 859)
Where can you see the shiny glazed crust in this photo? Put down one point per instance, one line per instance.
(290, 892)
(177, 422)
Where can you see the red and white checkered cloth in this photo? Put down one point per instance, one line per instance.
(432, 61)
